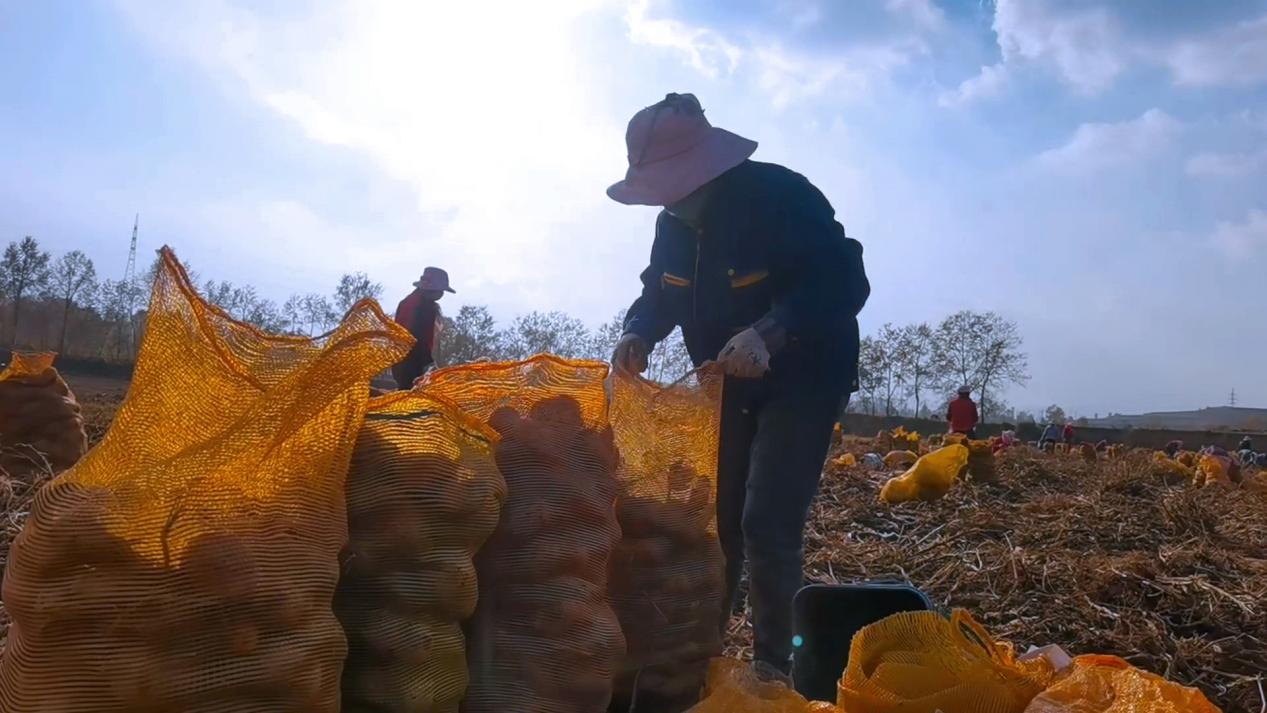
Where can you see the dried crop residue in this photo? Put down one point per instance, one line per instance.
(1098, 558)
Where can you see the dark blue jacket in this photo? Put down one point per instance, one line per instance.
(769, 246)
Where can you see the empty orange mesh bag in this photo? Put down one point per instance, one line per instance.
(1108, 684)
(544, 637)
(667, 576)
(930, 477)
(733, 688)
(41, 428)
(921, 662)
(188, 562)
(423, 495)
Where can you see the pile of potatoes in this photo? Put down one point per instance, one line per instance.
(206, 626)
(40, 424)
(423, 494)
(544, 637)
(667, 586)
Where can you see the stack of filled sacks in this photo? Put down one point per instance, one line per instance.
(544, 637)
(667, 572)
(41, 428)
(423, 495)
(189, 561)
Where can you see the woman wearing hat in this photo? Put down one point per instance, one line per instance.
(749, 260)
(419, 312)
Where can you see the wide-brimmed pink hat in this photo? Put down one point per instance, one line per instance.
(433, 278)
(673, 150)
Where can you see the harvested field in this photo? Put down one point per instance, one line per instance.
(1104, 558)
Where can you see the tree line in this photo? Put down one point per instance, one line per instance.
(914, 369)
(60, 303)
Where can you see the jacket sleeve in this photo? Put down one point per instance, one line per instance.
(646, 317)
(818, 273)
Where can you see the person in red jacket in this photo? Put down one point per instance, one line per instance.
(962, 414)
(419, 312)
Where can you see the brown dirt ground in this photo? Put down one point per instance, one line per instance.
(1106, 558)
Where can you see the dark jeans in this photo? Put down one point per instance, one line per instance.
(772, 447)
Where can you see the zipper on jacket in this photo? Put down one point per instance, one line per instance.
(695, 284)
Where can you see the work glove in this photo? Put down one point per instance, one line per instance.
(745, 356)
(631, 354)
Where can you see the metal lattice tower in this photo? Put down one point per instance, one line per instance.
(129, 281)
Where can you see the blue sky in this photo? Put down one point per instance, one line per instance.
(1096, 171)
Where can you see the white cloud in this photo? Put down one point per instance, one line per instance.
(925, 13)
(490, 122)
(707, 51)
(1233, 56)
(786, 76)
(1099, 146)
(988, 83)
(1240, 240)
(1226, 165)
(1084, 46)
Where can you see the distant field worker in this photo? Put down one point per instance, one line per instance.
(1051, 435)
(1066, 434)
(962, 414)
(749, 260)
(419, 312)
(1172, 448)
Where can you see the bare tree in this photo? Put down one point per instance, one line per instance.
(917, 360)
(317, 313)
(353, 287)
(870, 373)
(982, 350)
(24, 269)
(548, 332)
(669, 361)
(469, 336)
(1054, 414)
(72, 276)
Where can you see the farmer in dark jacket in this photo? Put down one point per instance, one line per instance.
(419, 312)
(750, 262)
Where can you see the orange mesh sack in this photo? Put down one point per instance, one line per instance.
(544, 637)
(41, 428)
(667, 576)
(733, 688)
(921, 662)
(1108, 684)
(1213, 470)
(930, 477)
(981, 462)
(423, 495)
(188, 562)
(900, 459)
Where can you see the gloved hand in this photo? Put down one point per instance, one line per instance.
(745, 356)
(631, 354)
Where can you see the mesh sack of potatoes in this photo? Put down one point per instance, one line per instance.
(423, 495)
(544, 637)
(981, 462)
(667, 573)
(41, 428)
(188, 562)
